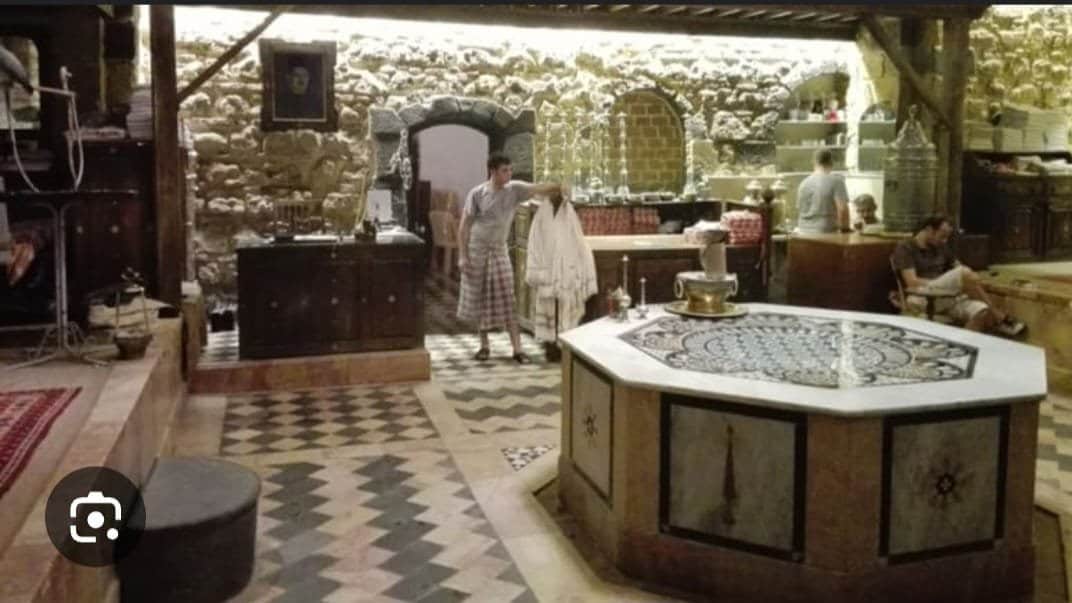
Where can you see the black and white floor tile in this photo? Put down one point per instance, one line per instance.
(1054, 465)
(520, 403)
(325, 418)
(520, 457)
(396, 527)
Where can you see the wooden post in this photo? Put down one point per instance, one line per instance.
(169, 224)
(893, 51)
(956, 59)
(918, 38)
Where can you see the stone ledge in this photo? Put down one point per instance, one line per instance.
(337, 370)
(126, 430)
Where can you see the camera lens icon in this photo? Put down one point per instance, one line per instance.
(95, 516)
(95, 519)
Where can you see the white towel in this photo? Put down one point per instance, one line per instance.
(559, 267)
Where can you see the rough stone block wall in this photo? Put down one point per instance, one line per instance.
(1020, 56)
(728, 91)
(655, 151)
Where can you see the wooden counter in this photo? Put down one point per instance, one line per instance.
(658, 258)
(305, 298)
(841, 272)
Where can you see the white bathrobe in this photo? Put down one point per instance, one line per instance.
(560, 266)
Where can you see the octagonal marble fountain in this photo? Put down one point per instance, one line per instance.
(799, 454)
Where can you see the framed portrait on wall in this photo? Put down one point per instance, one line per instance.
(298, 85)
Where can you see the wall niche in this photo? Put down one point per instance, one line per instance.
(655, 142)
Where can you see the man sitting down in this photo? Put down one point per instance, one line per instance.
(926, 262)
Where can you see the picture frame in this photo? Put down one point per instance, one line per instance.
(298, 86)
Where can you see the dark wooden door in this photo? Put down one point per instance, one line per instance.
(1017, 230)
(1059, 232)
(394, 294)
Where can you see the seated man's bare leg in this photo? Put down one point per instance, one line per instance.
(972, 286)
(484, 343)
(982, 321)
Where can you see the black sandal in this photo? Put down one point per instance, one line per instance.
(482, 354)
(522, 358)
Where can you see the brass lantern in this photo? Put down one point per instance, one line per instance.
(911, 173)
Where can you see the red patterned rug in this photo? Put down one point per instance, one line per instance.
(25, 418)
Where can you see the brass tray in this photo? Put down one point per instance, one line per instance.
(680, 307)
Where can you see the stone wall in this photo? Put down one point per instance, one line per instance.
(727, 92)
(1020, 56)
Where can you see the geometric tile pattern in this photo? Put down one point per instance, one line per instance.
(804, 350)
(519, 457)
(493, 405)
(396, 527)
(441, 304)
(452, 357)
(324, 418)
(1054, 462)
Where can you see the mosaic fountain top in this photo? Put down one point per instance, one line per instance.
(816, 360)
(804, 350)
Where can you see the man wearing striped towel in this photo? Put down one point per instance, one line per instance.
(487, 283)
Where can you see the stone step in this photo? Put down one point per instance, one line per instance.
(199, 535)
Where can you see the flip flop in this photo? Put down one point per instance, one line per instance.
(482, 354)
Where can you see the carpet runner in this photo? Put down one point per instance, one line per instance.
(25, 418)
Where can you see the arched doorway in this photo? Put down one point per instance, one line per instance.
(506, 131)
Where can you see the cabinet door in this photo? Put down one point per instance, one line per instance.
(659, 275)
(392, 300)
(1016, 231)
(273, 307)
(1059, 232)
(336, 315)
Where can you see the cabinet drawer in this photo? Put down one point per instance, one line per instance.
(1025, 187)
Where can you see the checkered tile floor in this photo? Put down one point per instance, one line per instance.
(520, 457)
(396, 527)
(326, 418)
(1054, 466)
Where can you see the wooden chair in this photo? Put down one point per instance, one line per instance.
(901, 299)
(444, 237)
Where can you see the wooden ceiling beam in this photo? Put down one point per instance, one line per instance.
(622, 20)
(893, 50)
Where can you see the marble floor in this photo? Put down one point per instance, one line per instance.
(428, 491)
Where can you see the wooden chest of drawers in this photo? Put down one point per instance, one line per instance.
(305, 298)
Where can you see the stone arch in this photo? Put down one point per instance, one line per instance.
(655, 140)
(507, 132)
(800, 76)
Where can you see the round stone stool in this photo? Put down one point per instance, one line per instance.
(200, 531)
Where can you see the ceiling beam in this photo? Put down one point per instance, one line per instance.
(624, 20)
(893, 51)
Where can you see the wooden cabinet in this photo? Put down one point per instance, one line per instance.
(305, 298)
(840, 272)
(658, 259)
(1027, 216)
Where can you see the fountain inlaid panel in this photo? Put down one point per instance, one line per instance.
(804, 350)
